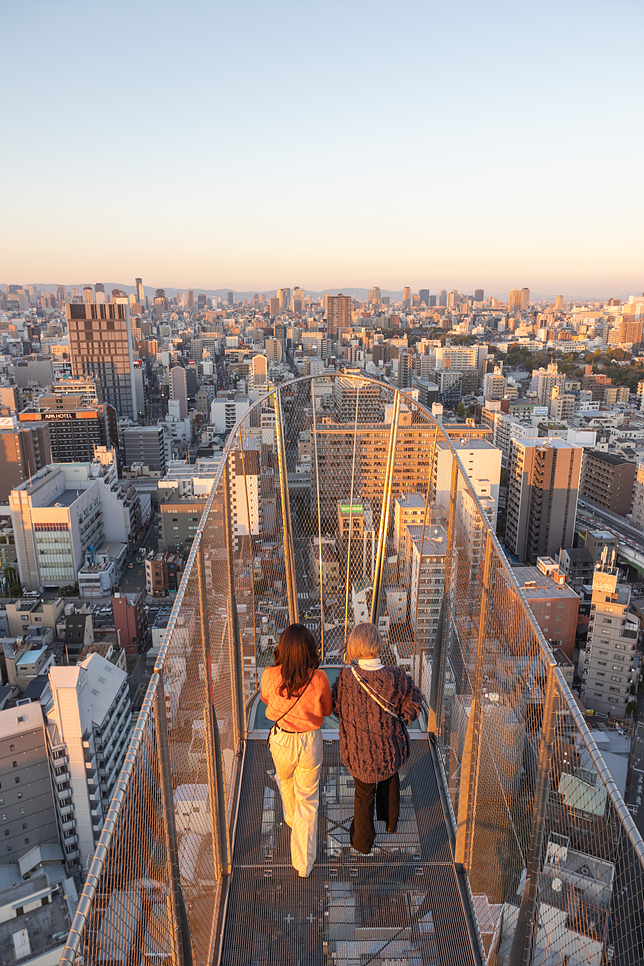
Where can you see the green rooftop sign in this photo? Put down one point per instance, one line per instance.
(351, 508)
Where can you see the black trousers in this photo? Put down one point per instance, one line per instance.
(386, 795)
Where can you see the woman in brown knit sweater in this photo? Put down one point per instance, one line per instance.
(369, 701)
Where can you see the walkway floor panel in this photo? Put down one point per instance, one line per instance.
(401, 903)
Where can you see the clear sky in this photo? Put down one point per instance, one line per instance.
(257, 143)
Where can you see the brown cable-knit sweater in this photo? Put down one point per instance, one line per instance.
(373, 745)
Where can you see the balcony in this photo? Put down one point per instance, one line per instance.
(501, 763)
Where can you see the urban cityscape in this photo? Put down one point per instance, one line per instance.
(119, 409)
(321, 484)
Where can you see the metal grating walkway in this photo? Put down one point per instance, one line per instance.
(402, 904)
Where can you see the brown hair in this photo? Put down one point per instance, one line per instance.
(297, 656)
(363, 641)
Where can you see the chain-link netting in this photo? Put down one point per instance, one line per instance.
(340, 500)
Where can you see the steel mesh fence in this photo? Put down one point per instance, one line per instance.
(340, 500)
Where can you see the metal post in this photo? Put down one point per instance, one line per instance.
(422, 545)
(364, 536)
(289, 564)
(179, 928)
(472, 746)
(521, 950)
(234, 638)
(317, 487)
(438, 663)
(220, 843)
(384, 513)
(250, 551)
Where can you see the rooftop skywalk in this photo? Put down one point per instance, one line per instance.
(339, 500)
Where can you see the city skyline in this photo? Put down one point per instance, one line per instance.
(325, 143)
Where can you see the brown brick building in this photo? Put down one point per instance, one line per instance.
(608, 481)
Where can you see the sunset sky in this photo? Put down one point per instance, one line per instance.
(256, 144)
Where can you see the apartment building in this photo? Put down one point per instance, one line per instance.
(24, 450)
(27, 810)
(422, 574)
(553, 602)
(543, 487)
(87, 737)
(612, 642)
(608, 481)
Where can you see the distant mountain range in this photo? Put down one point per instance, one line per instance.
(357, 293)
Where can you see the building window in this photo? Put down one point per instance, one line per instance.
(17, 781)
(12, 747)
(14, 764)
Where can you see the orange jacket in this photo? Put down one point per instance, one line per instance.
(309, 712)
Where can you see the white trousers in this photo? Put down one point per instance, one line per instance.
(298, 763)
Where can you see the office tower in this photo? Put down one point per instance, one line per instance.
(543, 487)
(525, 299)
(442, 298)
(63, 513)
(99, 289)
(178, 389)
(191, 299)
(339, 310)
(612, 641)
(23, 451)
(374, 295)
(88, 294)
(514, 300)
(547, 380)
(88, 734)
(479, 294)
(274, 305)
(100, 345)
(297, 302)
(28, 811)
(230, 297)
(424, 296)
(432, 301)
(159, 293)
(608, 481)
(145, 444)
(559, 303)
(406, 298)
(140, 293)
(60, 295)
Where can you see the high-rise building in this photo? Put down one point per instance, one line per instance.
(424, 296)
(559, 303)
(230, 297)
(547, 380)
(100, 345)
(406, 299)
(442, 298)
(99, 293)
(612, 641)
(274, 305)
(88, 734)
(479, 294)
(191, 298)
(514, 300)
(608, 481)
(23, 452)
(60, 295)
(525, 299)
(374, 296)
(638, 497)
(179, 390)
(62, 514)
(339, 309)
(88, 293)
(145, 444)
(75, 430)
(543, 487)
(140, 294)
(28, 811)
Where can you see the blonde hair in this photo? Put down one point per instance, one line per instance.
(363, 641)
